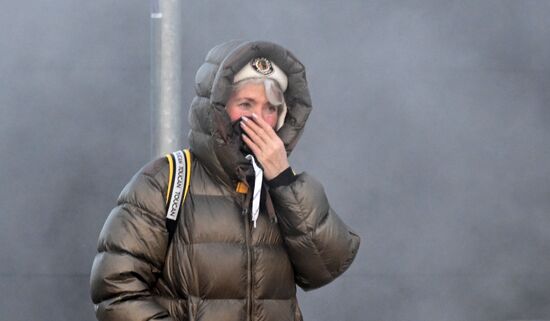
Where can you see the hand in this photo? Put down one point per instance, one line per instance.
(266, 145)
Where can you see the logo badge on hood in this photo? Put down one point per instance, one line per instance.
(262, 66)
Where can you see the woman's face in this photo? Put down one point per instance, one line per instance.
(249, 99)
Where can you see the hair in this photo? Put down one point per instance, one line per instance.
(273, 91)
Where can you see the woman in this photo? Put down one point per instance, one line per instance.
(234, 254)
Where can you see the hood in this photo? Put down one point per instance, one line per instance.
(210, 137)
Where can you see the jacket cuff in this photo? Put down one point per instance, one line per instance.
(285, 178)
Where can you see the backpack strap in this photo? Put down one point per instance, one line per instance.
(178, 186)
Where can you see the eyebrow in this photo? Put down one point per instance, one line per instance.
(246, 98)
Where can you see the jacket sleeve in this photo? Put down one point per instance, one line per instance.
(131, 250)
(320, 245)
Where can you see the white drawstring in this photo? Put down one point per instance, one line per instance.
(259, 174)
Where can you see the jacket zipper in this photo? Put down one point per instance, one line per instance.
(249, 265)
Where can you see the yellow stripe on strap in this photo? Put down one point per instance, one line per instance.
(187, 172)
(170, 177)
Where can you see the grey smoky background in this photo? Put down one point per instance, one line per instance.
(430, 131)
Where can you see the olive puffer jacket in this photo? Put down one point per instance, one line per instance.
(218, 267)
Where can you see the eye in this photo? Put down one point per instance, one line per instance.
(272, 109)
(245, 104)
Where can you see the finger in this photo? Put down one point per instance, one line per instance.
(261, 128)
(264, 125)
(253, 146)
(268, 135)
(255, 131)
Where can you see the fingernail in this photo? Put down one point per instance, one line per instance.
(245, 118)
(242, 124)
(254, 115)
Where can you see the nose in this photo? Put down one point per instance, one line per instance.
(258, 110)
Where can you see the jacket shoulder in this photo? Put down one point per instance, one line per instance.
(148, 187)
(155, 168)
